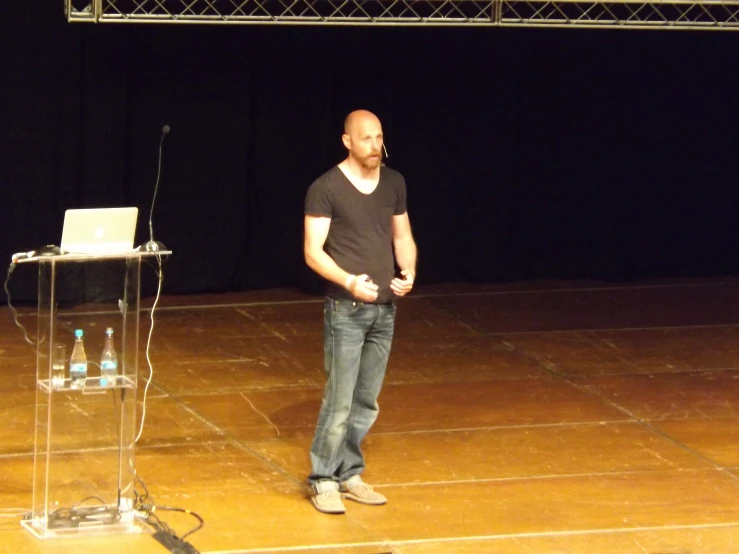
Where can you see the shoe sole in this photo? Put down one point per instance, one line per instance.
(349, 496)
(338, 511)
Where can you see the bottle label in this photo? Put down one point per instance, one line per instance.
(109, 365)
(79, 369)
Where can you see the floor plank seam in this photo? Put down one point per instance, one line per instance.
(610, 329)
(607, 346)
(581, 289)
(596, 423)
(541, 477)
(467, 538)
(488, 333)
(652, 372)
(29, 454)
(425, 296)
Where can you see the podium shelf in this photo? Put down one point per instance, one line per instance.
(91, 386)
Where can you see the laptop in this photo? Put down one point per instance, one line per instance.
(99, 230)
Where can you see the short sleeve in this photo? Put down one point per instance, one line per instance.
(319, 200)
(400, 201)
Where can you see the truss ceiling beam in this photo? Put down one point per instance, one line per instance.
(676, 14)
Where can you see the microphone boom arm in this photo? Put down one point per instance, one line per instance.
(152, 245)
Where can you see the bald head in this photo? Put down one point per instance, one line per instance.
(358, 119)
(363, 139)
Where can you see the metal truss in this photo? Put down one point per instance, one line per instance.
(675, 14)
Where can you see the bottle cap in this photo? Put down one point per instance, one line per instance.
(109, 331)
(78, 333)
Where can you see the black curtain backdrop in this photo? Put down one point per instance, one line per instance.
(528, 153)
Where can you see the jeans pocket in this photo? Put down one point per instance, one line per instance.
(344, 306)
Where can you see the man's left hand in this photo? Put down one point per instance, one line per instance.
(403, 286)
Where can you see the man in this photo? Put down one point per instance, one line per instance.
(355, 218)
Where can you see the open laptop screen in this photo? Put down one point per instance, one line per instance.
(99, 230)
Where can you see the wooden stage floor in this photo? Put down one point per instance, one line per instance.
(522, 418)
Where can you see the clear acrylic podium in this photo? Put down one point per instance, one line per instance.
(84, 458)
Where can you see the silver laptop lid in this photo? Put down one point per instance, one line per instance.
(99, 230)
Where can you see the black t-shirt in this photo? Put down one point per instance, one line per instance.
(360, 236)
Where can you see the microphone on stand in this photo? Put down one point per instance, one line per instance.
(152, 245)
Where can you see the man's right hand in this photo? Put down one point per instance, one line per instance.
(362, 288)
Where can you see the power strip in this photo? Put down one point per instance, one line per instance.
(173, 544)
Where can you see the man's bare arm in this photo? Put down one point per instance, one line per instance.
(405, 254)
(316, 231)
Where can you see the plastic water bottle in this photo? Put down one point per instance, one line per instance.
(108, 361)
(78, 362)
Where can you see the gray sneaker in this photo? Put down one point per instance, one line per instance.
(359, 491)
(328, 502)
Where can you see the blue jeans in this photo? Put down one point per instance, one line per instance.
(356, 346)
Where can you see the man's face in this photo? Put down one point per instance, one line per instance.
(365, 143)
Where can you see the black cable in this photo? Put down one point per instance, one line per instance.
(188, 512)
(18, 324)
(78, 514)
(89, 498)
(153, 520)
(140, 501)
